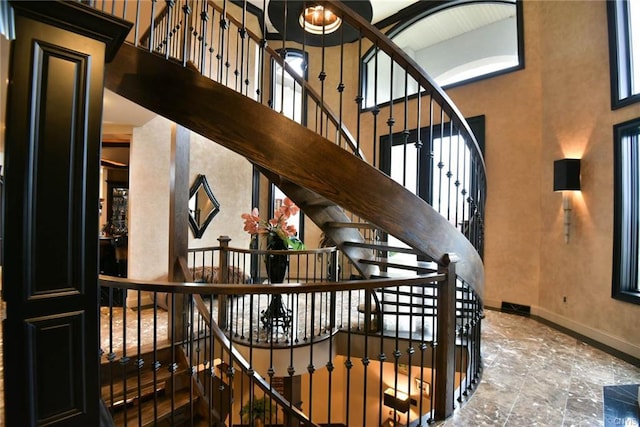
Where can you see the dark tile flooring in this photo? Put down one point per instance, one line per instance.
(535, 375)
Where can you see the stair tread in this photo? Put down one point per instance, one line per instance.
(182, 399)
(316, 200)
(361, 225)
(162, 346)
(420, 266)
(411, 291)
(382, 246)
(146, 386)
(406, 274)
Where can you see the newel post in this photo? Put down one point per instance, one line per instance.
(223, 265)
(446, 339)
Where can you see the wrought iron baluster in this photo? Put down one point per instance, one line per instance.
(221, 40)
(136, 32)
(186, 30)
(376, 108)
(139, 362)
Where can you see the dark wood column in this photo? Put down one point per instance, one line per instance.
(178, 222)
(54, 115)
(179, 200)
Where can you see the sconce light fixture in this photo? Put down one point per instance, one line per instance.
(397, 400)
(566, 178)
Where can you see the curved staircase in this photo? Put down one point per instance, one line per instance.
(338, 190)
(314, 172)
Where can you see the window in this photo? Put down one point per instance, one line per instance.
(287, 98)
(425, 170)
(286, 93)
(624, 51)
(455, 42)
(626, 211)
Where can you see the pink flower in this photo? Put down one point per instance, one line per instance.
(276, 226)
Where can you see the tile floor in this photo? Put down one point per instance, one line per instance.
(533, 376)
(536, 376)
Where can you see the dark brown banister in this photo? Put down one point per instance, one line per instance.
(282, 148)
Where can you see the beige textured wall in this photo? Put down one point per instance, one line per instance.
(229, 176)
(149, 181)
(558, 106)
(578, 122)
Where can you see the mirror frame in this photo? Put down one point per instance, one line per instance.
(201, 182)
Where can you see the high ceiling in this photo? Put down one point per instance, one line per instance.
(448, 24)
(381, 8)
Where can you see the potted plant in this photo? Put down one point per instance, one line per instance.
(257, 412)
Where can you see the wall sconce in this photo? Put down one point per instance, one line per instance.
(566, 178)
(398, 400)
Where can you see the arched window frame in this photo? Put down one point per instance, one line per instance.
(423, 10)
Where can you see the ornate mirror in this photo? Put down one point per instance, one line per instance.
(203, 206)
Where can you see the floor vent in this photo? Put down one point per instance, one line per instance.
(513, 308)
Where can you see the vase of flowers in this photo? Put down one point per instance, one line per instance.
(279, 236)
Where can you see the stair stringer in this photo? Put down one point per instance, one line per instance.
(322, 211)
(291, 151)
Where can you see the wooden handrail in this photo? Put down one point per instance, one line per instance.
(279, 288)
(137, 74)
(428, 88)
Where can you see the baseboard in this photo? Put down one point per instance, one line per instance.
(609, 343)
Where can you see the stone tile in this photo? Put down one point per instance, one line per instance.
(578, 419)
(528, 412)
(587, 407)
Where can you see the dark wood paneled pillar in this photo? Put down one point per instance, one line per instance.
(50, 283)
(178, 222)
(179, 200)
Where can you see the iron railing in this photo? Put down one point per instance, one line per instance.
(226, 43)
(204, 350)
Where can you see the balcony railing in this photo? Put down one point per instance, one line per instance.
(206, 350)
